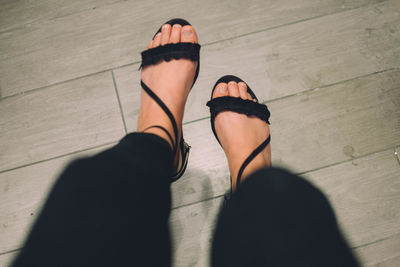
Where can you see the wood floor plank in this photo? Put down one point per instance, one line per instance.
(337, 123)
(60, 49)
(19, 13)
(289, 60)
(366, 196)
(191, 231)
(385, 253)
(59, 120)
(23, 192)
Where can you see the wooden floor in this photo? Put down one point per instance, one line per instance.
(329, 71)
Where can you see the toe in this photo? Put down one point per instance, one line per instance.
(149, 45)
(165, 34)
(233, 89)
(220, 90)
(175, 34)
(249, 97)
(157, 40)
(188, 34)
(242, 90)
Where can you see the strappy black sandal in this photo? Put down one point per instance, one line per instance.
(167, 52)
(237, 104)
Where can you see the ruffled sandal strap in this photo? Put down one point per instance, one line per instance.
(237, 104)
(167, 52)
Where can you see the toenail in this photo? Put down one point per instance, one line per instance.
(241, 84)
(187, 31)
(165, 26)
(223, 88)
(177, 26)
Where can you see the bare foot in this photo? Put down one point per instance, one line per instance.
(240, 134)
(170, 81)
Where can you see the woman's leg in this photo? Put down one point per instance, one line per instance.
(276, 218)
(111, 209)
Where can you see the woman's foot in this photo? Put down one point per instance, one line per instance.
(170, 81)
(240, 134)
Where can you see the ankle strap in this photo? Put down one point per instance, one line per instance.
(165, 130)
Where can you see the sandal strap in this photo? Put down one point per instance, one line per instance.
(167, 111)
(167, 52)
(161, 128)
(237, 104)
(251, 157)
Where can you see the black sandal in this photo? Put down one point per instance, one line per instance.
(167, 52)
(239, 105)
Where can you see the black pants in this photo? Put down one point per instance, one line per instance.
(112, 209)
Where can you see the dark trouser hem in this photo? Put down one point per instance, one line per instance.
(279, 219)
(111, 209)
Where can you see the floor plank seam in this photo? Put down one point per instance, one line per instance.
(344, 161)
(57, 157)
(203, 45)
(197, 202)
(119, 102)
(377, 241)
(10, 251)
(55, 84)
